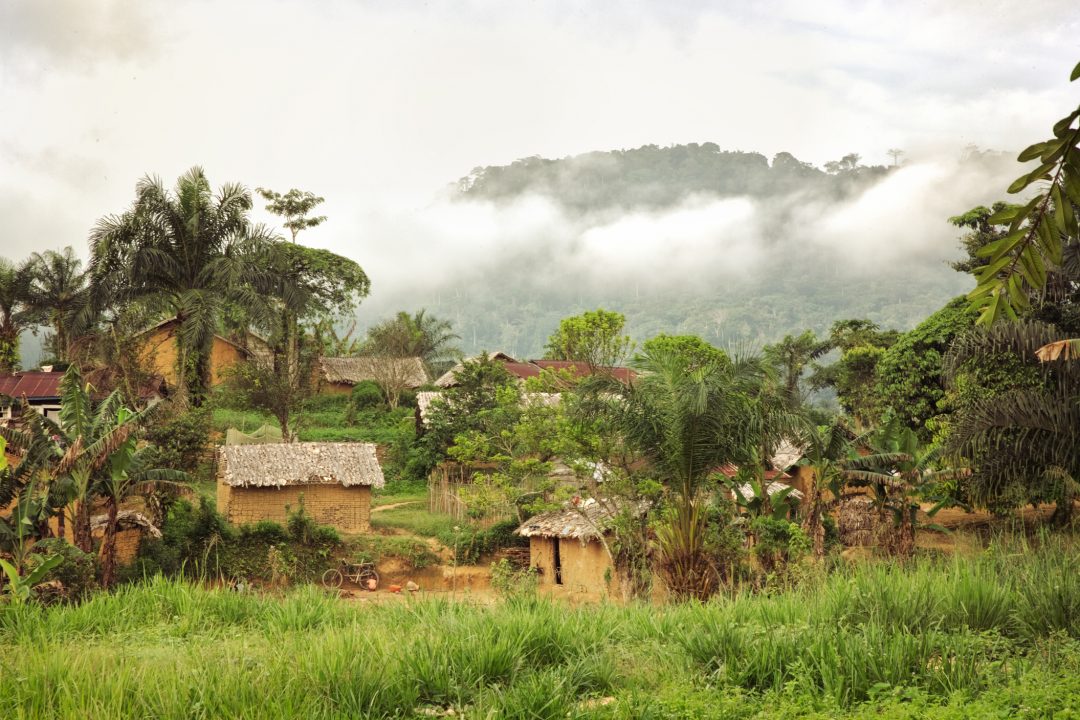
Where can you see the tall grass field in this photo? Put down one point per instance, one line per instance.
(997, 636)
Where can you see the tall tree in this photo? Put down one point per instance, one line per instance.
(59, 294)
(15, 315)
(791, 358)
(188, 252)
(417, 335)
(594, 337)
(294, 208)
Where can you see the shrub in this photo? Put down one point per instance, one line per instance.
(77, 573)
(180, 440)
(365, 395)
(512, 582)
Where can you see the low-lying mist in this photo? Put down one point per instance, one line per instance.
(734, 269)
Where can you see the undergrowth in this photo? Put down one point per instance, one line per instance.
(993, 636)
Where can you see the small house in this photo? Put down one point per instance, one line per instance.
(267, 481)
(158, 352)
(566, 548)
(338, 375)
(40, 390)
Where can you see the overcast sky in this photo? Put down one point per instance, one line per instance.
(378, 105)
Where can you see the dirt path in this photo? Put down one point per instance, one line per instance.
(391, 506)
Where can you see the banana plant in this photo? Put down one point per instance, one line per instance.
(19, 588)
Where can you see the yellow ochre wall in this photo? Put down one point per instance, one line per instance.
(158, 353)
(346, 508)
(586, 567)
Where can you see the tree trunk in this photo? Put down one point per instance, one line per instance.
(81, 532)
(812, 524)
(108, 547)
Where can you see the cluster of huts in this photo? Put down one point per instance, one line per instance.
(261, 478)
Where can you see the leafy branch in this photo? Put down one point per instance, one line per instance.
(1017, 263)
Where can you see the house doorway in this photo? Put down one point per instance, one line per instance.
(558, 561)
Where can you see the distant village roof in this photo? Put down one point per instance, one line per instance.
(310, 463)
(584, 521)
(353, 370)
(33, 385)
(524, 369)
(449, 378)
(786, 454)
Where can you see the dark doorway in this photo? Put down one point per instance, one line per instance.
(558, 561)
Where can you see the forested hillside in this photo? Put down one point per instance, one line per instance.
(657, 177)
(695, 239)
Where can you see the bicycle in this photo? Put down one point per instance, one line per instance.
(362, 574)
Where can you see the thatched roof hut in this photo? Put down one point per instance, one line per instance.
(309, 463)
(353, 370)
(333, 482)
(584, 521)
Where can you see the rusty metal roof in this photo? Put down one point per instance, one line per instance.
(32, 385)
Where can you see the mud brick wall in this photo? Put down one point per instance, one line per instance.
(346, 508)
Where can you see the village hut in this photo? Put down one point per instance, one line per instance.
(338, 375)
(566, 548)
(158, 348)
(266, 481)
(132, 527)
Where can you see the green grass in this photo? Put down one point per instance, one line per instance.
(418, 520)
(997, 636)
(325, 421)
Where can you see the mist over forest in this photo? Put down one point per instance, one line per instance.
(732, 246)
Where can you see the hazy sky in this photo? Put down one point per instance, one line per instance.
(377, 105)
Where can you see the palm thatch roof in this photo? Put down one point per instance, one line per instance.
(449, 378)
(786, 455)
(424, 399)
(264, 434)
(584, 520)
(353, 370)
(309, 463)
(774, 487)
(126, 520)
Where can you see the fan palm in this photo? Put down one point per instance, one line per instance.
(15, 315)
(58, 294)
(188, 252)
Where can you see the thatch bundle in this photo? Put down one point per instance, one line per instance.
(126, 520)
(858, 521)
(353, 370)
(310, 463)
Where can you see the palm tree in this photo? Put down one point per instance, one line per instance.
(15, 315)
(790, 357)
(58, 295)
(688, 419)
(188, 252)
(1024, 443)
(417, 335)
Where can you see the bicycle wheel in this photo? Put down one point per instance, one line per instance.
(332, 578)
(367, 575)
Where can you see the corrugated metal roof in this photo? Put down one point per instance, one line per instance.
(32, 385)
